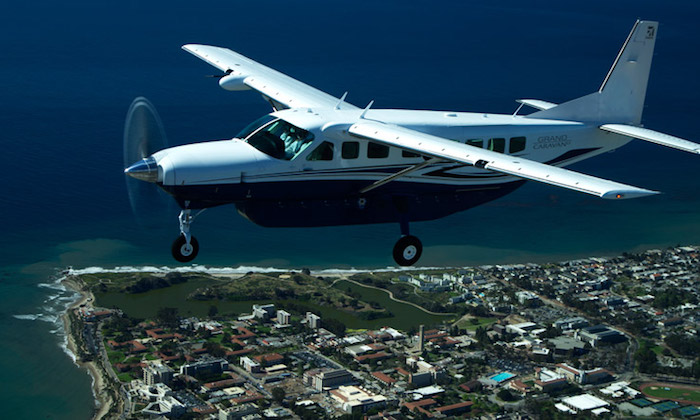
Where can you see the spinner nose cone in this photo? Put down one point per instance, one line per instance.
(145, 169)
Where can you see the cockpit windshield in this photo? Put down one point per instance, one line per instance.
(276, 137)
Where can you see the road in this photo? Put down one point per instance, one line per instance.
(391, 296)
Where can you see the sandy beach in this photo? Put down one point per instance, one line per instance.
(103, 398)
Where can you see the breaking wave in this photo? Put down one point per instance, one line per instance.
(54, 306)
(230, 270)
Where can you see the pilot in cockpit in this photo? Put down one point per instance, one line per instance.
(294, 140)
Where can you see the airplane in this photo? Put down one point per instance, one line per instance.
(317, 160)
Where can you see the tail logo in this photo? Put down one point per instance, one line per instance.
(650, 32)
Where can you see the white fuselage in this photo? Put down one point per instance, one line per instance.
(559, 143)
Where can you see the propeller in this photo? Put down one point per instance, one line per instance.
(143, 136)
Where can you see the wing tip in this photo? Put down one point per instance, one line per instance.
(627, 194)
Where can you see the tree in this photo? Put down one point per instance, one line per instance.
(646, 359)
(278, 394)
(215, 349)
(481, 336)
(335, 326)
(168, 317)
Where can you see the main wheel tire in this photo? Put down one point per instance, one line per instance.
(182, 252)
(407, 250)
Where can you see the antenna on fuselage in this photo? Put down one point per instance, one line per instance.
(342, 99)
(369, 105)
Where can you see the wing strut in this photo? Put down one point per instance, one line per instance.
(400, 174)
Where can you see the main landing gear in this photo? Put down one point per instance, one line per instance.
(408, 249)
(185, 247)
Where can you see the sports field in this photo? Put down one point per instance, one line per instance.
(681, 393)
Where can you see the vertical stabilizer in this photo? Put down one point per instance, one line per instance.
(620, 98)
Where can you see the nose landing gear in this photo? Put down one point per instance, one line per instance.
(185, 248)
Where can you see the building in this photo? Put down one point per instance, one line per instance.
(519, 386)
(600, 334)
(425, 373)
(547, 380)
(264, 312)
(204, 367)
(384, 378)
(670, 322)
(421, 338)
(455, 409)
(524, 328)
(358, 350)
(567, 346)
(581, 376)
(313, 320)
(380, 355)
(528, 298)
(283, 317)
(354, 399)
(582, 403)
(249, 364)
(167, 406)
(421, 406)
(329, 379)
(156, 372)
(385, 334)
(419, 379)
(238, 411)
(269, 359)
(573, 323)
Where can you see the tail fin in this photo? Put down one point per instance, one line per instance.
(620, 98)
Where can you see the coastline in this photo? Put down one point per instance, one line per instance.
(104, 402)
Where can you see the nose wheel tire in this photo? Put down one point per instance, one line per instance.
(184, 252)
(407, 250)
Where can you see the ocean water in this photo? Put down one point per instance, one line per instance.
(69, 71)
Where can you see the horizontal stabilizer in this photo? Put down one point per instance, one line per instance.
(450, 150)
(536, 103)
(652, 136)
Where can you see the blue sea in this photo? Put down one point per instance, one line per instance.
(69, 70)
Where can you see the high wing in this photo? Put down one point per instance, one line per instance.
(437, 147)
(282, 91)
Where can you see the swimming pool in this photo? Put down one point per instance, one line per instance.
(503, 376)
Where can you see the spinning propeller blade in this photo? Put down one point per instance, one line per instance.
(143, 136)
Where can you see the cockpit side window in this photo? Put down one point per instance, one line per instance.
(277, 138)
(323, 152)
(254, 126)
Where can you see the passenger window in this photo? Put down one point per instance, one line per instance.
(350, 150)
(517, 144)
(407, 154)
(323, 152)
(497, 145)
(476, 143)
(377, 151)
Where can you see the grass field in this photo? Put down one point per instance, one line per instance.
(658, 350)
(672, 393)
(482, 322)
